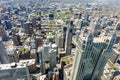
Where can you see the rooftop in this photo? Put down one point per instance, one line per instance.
(9, 66)
(116, 48)
(100, 38)
(21, 64)
(68, 59)
(67, 71)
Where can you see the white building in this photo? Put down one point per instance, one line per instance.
(14, 71)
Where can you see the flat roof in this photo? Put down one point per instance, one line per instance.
(21, 64)
(100, 38)
(8, 66)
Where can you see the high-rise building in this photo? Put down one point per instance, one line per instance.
(41, 59)
(16, 39)
(3, 54)
(91, 55)
(81, 23)
(56, 37)
(50, 38)
(53, 56)
(103, 21)
(59, 39)
(64, 35)
(22, 21)
(51, 16)
(53, 59)
(86, 17)
(8, 24)
(46, 48)
(80, 16)
(118, 33)
(68, 45)
(77, 35)
(96, 29)
(32, 19)
(28, 28)
(3, 33)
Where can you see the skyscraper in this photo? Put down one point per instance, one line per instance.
(68, 45)
(46, 48)
(64, 35)
(91, 55)
(96, 29)
(50, 38)
(81, 24)
(28, 28)
(53, 56)
(59, 39)
(41, 59)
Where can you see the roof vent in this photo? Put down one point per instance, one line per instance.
(13, 65)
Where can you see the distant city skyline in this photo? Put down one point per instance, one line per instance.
(59, 39)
